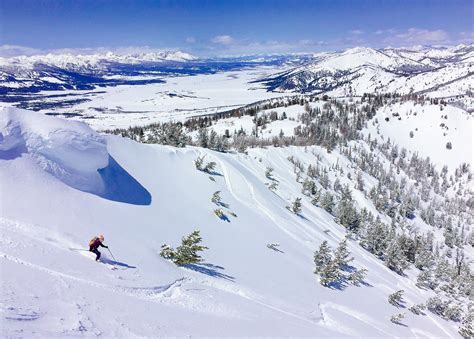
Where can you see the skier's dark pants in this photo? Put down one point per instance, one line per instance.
(96, 251)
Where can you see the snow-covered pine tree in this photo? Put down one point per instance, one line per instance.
(357, 277)
(316, 198)
(212, 143)
(199, 162)
(327, 202)
(296, 206)
(309, 187)
(346, 212)
(394, 258)
(417, 309)
(216, 197)
(437, 305)
(342, 256)
(269, 173)
(210, 166)
(360, 181)
(375, 237)
(170, 134)
(330, 274)
(322, 256)
(467, 326)
(203, 138)
(167, 252)
(397, 318)
(395, 298)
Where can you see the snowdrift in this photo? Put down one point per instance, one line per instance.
(51, 286)
(70, 151)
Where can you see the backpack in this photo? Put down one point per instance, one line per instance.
(93, 240)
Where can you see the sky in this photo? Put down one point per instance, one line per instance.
(206, 28)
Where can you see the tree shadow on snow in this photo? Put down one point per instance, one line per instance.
(210, 270)
(366, 284)
(302, 216)
(223, 204)
(224, 217)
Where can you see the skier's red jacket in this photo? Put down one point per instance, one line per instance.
(95, 243)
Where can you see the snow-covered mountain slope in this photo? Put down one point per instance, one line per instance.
(366, 70)
(243, 288)
(427, 129)
(92, 61)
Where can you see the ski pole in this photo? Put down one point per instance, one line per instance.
(112, 254)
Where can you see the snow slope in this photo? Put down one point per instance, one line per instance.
(433, 126)
(242, 289)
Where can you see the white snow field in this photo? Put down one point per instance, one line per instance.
(53, 201)
(177, 98)
(433, 126)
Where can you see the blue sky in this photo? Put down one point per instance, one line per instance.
(204, 27)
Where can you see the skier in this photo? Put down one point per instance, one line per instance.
(94, 245)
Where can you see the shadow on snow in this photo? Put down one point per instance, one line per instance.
(210, 270)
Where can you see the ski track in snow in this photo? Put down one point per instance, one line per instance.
(150, 293)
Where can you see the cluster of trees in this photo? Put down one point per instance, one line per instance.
(204, 167)
(408, 188)
(333, 266)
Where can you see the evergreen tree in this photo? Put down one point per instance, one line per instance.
(309, 187)
(199, 162)
(327, 202)
(273, 186)
(346, 212)
(357, 277)
(467, 327)
(188, 252)
(210, 166)
(394, 258)
(330, 274)
(375, 239)
(213, 140)
(417, 309)
(322, 256)
(397, 318)
(167, 252)
(316, 198)
(360, 182)
(342, 255)
(296, 207)
(203, 138)
(395, 298)
(269, 173)
(216, 197)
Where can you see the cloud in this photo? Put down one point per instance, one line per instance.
(222, 40)
(385, 31)
(466, 37)
(15, 50)
(356, 32)
(415, 36)
(190, 40)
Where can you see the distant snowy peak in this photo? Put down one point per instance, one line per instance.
(446, 72)
(71, 61)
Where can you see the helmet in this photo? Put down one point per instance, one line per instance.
(101, 237)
